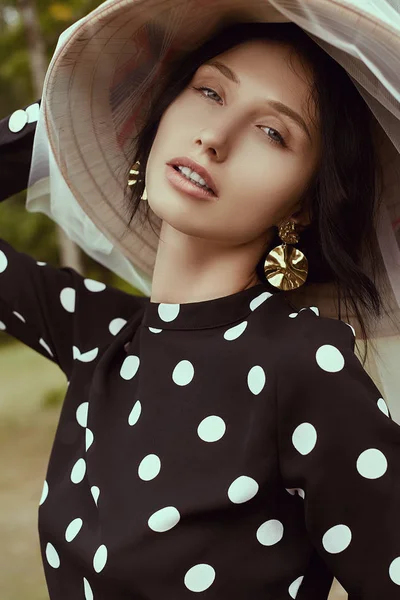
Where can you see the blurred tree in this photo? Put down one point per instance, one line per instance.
(16, 86)
(69, 252)
(35, 233)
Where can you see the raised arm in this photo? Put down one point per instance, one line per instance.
(17, 132)
(57, 312)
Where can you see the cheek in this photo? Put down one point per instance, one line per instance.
(281, 180)
(179, 113)
(158, 155)
(169, 133)
(252, 201)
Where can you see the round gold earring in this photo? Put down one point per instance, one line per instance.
(135, 172)
(286, 267)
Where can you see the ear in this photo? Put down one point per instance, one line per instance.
(302, 217)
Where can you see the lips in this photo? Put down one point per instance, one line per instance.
(184, 161)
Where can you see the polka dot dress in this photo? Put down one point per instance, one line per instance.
(233, 448)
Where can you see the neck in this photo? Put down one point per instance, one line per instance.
(192, 269)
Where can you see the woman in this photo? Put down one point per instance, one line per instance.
(215, 438)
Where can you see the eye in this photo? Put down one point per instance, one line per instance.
(279, 139)
(201, 89)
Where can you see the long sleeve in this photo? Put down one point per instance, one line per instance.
(38, 304)
(17, 132)
(340, 448)
(59, 313)
(52, 310)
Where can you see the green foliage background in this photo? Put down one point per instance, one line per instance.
(15, 78)
(35, 233)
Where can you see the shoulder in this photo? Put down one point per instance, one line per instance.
(314, 329)
(311, 343)
(301, 327)
(299, 343)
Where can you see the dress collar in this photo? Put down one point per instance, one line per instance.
(207, 313)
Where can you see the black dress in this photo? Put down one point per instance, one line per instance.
(233, 448)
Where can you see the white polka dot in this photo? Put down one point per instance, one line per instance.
(94, 286)
(168, 312)
(155, 330)
(293, 315)
(300, 492)
(45, 346)
(95, 491)
(19, 316)
(41, 263)
(67, 299)
(256, 379)
(116, 325)
(304, 438)
(315, 309)
(78, 471)
(394, 570)
(17, 121)
(351, 327)
(183, 373)
(33, 112)
(130, 367)
(372, 463)
(135, 413)
(270, 532)
(199, 578)
(255, 303)
(45, 493)
(82, 414)
(329, 358)
(2, 326)
(383, 406)
(3, 262)
(211, 429)
(100, 558)
(89, 438)
(234, 332)
(164, 519)
(294, 587)
(85, 357)
(73, 529)
(87, 589)
(52, 556)
(242, 489)
(337, 539)
(150, 467)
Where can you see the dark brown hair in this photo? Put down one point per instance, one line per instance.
(343, 196)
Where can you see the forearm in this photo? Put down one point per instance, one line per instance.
(16, 144)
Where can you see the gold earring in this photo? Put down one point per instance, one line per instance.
(286, 267)
(135, 170)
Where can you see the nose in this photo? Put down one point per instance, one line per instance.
(215, 140)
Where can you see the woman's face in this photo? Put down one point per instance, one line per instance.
(260, 158)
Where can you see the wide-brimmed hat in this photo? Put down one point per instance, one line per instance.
(110, 64)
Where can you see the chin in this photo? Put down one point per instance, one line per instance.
(177, 212)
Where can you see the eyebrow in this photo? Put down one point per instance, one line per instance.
(278, 106)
